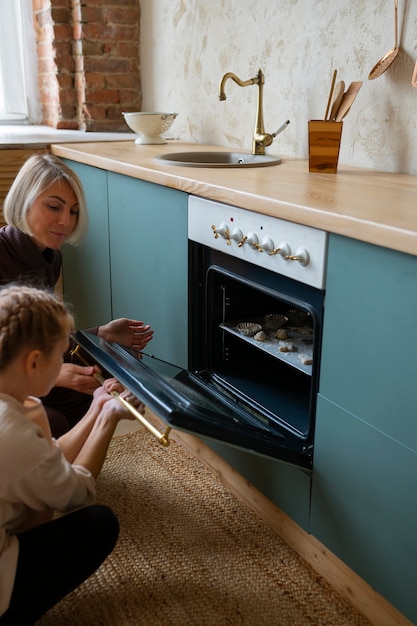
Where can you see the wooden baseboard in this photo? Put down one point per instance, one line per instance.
(365, 599)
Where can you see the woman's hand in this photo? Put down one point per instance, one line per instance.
(78, 377)
(129, 333)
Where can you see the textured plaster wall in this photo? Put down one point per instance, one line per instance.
(187, 45)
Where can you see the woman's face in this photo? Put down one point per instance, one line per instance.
(53, 216)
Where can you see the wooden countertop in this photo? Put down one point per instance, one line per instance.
(377, 207)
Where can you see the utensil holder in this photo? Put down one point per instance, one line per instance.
(324, 145)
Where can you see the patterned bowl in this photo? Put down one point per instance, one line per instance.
(149, 125)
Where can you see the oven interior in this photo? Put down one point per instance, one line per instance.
(278, 389)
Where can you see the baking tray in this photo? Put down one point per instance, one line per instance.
(301, 338)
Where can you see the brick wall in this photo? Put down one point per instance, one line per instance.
(88, 62)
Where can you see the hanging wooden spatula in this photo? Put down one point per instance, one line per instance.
(348, 99)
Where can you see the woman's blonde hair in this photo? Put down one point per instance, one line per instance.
(30, 318)
(35, 176)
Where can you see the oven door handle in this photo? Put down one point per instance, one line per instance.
(162, 437)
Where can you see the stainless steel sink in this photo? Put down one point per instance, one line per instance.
(219, 159)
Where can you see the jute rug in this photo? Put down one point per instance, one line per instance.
(191, 554)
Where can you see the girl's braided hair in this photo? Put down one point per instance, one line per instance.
(30, 318)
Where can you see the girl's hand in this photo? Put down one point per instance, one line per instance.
(103, 393)
(103, 396)
(113, 409)
(133, 401)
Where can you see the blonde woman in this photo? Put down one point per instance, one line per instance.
(44, 209)
(43, 559)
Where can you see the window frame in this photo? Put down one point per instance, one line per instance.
(20, 101)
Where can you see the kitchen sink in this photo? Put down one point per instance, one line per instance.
(219, 159)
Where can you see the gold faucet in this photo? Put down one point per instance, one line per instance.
(260, 139)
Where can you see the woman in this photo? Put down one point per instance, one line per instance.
(42, 559)
(45, 208)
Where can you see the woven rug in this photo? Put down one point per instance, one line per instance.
(190, 553)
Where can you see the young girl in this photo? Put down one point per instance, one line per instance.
(42, 559)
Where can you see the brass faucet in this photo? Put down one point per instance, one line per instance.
(260, 139)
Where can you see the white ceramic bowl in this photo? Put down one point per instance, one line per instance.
(149, 126)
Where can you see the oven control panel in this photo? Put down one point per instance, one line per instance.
(290, 249)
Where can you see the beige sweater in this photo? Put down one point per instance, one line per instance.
(35, 477)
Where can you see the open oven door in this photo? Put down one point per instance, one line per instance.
(184, 402)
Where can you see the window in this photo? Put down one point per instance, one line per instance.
(19, 93)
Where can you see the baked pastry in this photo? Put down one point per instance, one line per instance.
(281, 333)
(286, 346)
(248, 328)
(306, 359)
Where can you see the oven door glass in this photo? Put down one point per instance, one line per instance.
(184, 402)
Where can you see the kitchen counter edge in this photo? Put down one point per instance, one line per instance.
(368, 205)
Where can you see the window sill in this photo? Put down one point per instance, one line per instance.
(24, 136)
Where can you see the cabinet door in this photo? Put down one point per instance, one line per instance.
(287, 486)
(364, 503)
(149, 252)
(369, 347)
(86, 268)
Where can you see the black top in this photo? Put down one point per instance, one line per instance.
(21, 260)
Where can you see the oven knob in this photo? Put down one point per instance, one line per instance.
(267, 245)
(223, 230)
(252, 240)
(237, 235)
(283, 250)
(301, 255)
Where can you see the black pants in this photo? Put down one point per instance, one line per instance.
(64, 408)
(57, 557)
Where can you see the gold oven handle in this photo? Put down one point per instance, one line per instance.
(162, 438)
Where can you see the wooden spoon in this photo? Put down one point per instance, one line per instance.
(414, 78)
(329, 101)
(337, 99)
(384, 63)
(348, 99)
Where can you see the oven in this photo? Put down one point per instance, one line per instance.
(256, 298)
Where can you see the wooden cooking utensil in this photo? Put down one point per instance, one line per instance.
(338, 94)
(384, 63)
(348, 99)
(329, 101)
(414, 78)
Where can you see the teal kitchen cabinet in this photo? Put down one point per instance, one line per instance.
(287, 486)
(86, 267)
(370, 339)
(133, 262)
(364, 494)
(149, 261)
